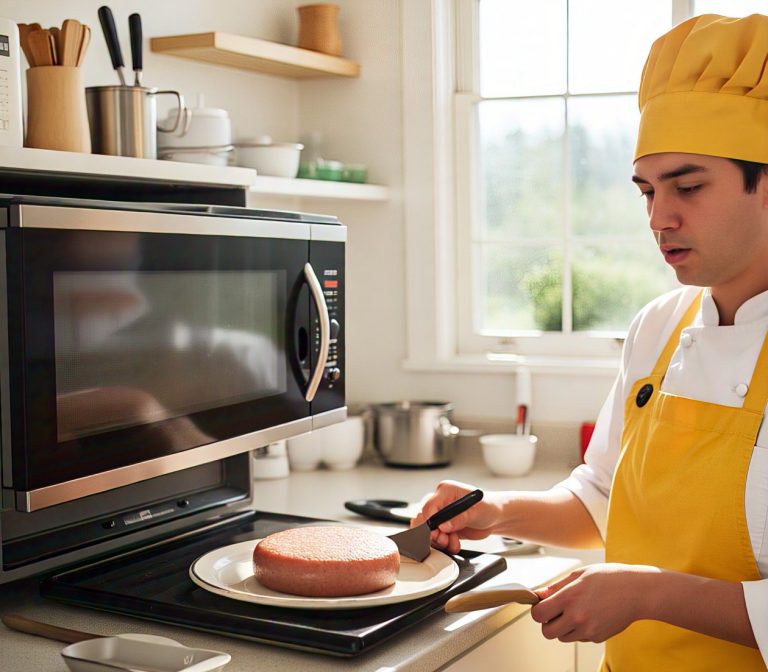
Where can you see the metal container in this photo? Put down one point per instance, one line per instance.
(414, 433)
(123, 119)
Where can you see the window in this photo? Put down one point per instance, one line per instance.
(554, 252)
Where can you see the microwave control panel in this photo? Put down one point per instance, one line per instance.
(328, 261)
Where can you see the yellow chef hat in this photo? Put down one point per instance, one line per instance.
(704, 90)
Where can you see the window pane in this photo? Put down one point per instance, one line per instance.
(736, 8)
(609, 42)
(522, 47)
(601, 140)
(612, 281)
(521, 166)
(520, 288)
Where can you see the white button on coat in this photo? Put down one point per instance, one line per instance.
(741, 389)
(686, 340)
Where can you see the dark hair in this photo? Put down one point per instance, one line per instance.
(751, 172)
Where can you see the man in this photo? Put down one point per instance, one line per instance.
(676, 476)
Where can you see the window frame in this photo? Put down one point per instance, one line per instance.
(437, 63)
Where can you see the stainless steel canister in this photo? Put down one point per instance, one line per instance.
(123, 119)
(414, 433)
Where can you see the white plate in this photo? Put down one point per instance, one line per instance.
(140, 652)
(228, 571)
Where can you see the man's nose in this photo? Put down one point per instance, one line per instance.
(662, 214)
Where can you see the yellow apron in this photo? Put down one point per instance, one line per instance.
(677, 502)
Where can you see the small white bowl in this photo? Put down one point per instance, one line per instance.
(304, 452)
(509, 454)
(278, 159)
(343, 443)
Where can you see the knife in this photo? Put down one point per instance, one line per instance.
(494, 596)
(415, 543)
(134, 27)
(107, 21)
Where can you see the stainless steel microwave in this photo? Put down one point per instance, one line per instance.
(141, 340)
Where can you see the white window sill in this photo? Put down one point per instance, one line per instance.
(504, 364)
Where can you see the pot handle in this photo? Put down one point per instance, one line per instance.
(183, 115)
(446, 428)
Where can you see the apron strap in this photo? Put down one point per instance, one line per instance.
(757, 395)
(662, 364)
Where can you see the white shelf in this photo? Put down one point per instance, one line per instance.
(318, 189)
(98, 165)
(143, 170)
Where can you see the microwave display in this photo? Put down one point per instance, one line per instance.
(137, 347)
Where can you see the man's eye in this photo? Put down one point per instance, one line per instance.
(646, 194)
(689, 189)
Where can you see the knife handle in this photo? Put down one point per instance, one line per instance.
(107, 21)
(454, 509)
(134, 28)
(491, 597)
(22, 624)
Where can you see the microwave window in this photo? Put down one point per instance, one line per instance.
(132, 348)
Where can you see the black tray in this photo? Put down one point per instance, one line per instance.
(153, 583)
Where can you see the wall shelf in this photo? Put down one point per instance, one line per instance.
(282, 186)
(250, 53)
(121, 168)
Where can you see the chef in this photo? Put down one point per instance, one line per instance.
(676, 477)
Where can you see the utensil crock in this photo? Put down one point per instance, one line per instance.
(123, 119)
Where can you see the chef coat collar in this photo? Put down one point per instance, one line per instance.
(752, 310)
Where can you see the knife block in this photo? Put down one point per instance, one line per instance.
(56, 113)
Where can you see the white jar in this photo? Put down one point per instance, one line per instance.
(207, 127)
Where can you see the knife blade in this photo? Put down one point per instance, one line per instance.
(415, 543)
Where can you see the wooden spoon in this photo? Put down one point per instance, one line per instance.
(40, 46)
(24, 30)
(85, 38)
(71, 37)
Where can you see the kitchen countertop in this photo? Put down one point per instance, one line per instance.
(321, 493)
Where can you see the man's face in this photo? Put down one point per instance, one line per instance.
(708, 228)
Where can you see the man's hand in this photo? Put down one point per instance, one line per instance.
(593, 603)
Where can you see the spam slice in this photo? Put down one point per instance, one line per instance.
(326, 561)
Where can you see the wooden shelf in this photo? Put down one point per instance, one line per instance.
(250, 53)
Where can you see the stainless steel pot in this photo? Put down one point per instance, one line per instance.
(414, 433)
(123, 119)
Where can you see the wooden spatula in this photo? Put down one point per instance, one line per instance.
(495, 596)
(22, 624)
(40, 46)
(71, 38)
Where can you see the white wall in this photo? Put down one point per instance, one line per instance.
(361, 122)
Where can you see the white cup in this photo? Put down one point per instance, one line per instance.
(509, 454)
(338, 446)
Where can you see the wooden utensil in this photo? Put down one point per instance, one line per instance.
(55, 32)
(39, 42)
(71, 39)
(495, 596)
(85, 39)
(31, 627)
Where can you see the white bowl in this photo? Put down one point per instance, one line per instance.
(278, 159)
(343, 443)
(212, 156)
(509, 454)
(337, 446)
(207, 127)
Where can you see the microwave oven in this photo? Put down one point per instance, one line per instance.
(146, 349)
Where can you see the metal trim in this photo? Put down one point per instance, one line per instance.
(329, 417)
(137, 221)
(41, 498)
(332, 234)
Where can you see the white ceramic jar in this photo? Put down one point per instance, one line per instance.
(206, 127)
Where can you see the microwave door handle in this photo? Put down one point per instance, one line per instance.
(325, 330)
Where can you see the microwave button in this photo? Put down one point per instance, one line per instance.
(335, 327)
(333, 374)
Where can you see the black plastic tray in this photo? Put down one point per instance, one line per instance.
(154, 584)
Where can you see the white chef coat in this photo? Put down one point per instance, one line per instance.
(712, 363)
